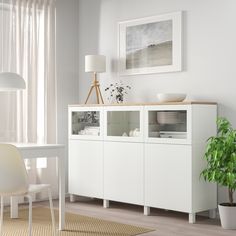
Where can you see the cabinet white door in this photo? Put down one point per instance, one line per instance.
(123, 172)
(86, 168)
(168, 176)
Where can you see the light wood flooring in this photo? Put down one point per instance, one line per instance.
(165, 223)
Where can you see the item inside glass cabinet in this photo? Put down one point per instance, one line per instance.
(86, 123)
(167, 124)
(123, 123)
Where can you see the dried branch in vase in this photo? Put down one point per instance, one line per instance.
(117, 92)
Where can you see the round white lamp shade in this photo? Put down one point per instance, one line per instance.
(95, 63)
(11, 81)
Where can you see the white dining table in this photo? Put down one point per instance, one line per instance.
(34, 150)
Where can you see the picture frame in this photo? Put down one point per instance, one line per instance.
(150, 45)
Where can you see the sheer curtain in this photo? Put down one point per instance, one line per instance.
(28, 48)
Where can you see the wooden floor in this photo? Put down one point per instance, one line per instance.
(165, 223)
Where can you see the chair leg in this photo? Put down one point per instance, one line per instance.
(30, 214)
(2, 208)
(52, 211)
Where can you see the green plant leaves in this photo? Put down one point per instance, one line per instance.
(223, 126)
(220, 155)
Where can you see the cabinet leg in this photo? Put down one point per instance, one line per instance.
(212, 213)
(192, 218)
(106, 203)
(146, 211)
(72, 198)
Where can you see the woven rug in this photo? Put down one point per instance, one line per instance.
(75, 225)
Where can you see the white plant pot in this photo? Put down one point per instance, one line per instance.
(227, 216)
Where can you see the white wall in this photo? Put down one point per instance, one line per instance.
(67, 64)
(209, 56)
(89, 20)
(209, 50)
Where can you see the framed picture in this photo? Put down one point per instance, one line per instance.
(150, 45)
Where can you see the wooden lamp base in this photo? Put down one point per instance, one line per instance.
(95, 85)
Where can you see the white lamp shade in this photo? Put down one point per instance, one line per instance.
(11, 81)
(95, 63)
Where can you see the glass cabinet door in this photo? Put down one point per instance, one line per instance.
(123, 124)
(85, 123)
(169, 125)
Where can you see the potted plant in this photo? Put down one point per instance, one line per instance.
(221, 168)
(117, 91)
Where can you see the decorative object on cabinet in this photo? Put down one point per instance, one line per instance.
(95, 64)
(171, 97)
(117, 92)
(151, 44)
(221, 162)
(133, 143)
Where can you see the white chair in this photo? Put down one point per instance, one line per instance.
(14, 182)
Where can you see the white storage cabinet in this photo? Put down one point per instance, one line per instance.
(149, 155)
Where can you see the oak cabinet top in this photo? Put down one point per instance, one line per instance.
(147, 104)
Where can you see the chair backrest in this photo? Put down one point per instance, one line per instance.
(13, 174)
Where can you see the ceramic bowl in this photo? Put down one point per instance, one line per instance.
(170, 117)
(171, 97)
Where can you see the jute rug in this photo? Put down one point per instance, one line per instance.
(75, 225)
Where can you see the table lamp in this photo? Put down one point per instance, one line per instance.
(95, 64)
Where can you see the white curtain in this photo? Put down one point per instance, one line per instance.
(28, 48)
